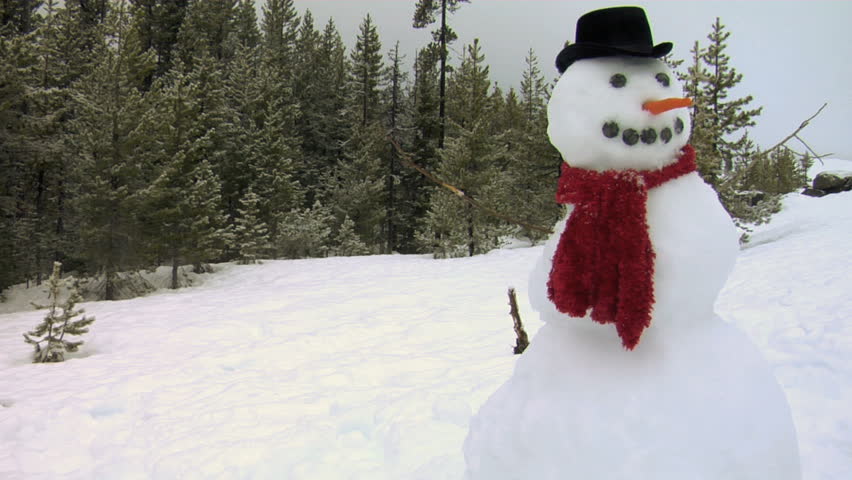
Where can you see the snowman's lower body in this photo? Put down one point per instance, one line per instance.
(696, 405)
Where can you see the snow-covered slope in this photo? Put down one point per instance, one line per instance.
(371, 367)
(792, 293)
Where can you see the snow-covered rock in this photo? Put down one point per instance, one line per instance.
(833, 181)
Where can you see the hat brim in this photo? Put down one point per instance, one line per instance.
(579, 51)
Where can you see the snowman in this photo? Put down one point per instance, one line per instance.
(632, 375)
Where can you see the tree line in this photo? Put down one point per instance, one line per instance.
(168, 132)
(138, 133)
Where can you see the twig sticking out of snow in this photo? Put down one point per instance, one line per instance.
(523, 340)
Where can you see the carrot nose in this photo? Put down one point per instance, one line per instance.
(656, 107)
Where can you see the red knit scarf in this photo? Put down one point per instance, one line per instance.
(605, 260)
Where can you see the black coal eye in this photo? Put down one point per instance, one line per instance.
(663, 79)
(618, 80)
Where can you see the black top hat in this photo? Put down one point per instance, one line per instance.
(609, 32)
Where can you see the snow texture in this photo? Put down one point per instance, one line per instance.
(370, 367)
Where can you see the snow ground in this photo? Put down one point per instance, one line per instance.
(791, 292)
(371, 367)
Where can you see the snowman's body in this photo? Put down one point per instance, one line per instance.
(694, 399)
(695, 244)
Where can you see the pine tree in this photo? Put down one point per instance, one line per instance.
(244, 90)
(208, 233)
(425, 132)
(534, 91)
(399, 218)
(726, 117)
(469, 89)
(48, 337)
(110, 104)
(18, 17)
(306, 232)
(273, 165)
(46, 109)
(207, 28)
(245, 25)
(46, 62)
(184, 211)
(780, 173)
(280, 27)
(425, 98)
(308, 90)
(157, 24)
(14, 145)
(182, 208)
(215, 133)
(509, 117)
(366, 70)
(533, 168)
(251, 234)
(87, 18)
(321, 93)
(441, 232)
(69, 42)
(90, 13)
(333, 71)
(268, 156)
(425, 13)
(17, 147)
(356, 187)
(704, 129)
(276, 157)
(497, 105)
(723, 148)
(472, 161)
(307, 45)
(347, 242)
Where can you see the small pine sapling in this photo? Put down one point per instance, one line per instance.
(49, 337)
(348, 242)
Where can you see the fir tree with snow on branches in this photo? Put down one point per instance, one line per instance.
(49, 336)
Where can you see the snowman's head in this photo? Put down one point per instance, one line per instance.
(616, 113)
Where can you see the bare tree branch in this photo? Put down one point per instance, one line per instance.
(813, 153)
(765, 154)
(796, 133)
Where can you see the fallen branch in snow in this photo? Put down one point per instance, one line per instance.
(405, 159)
(523, 340)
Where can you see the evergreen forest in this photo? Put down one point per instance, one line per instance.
(143, 133)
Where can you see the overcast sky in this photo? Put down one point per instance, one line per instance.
(794, 55)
